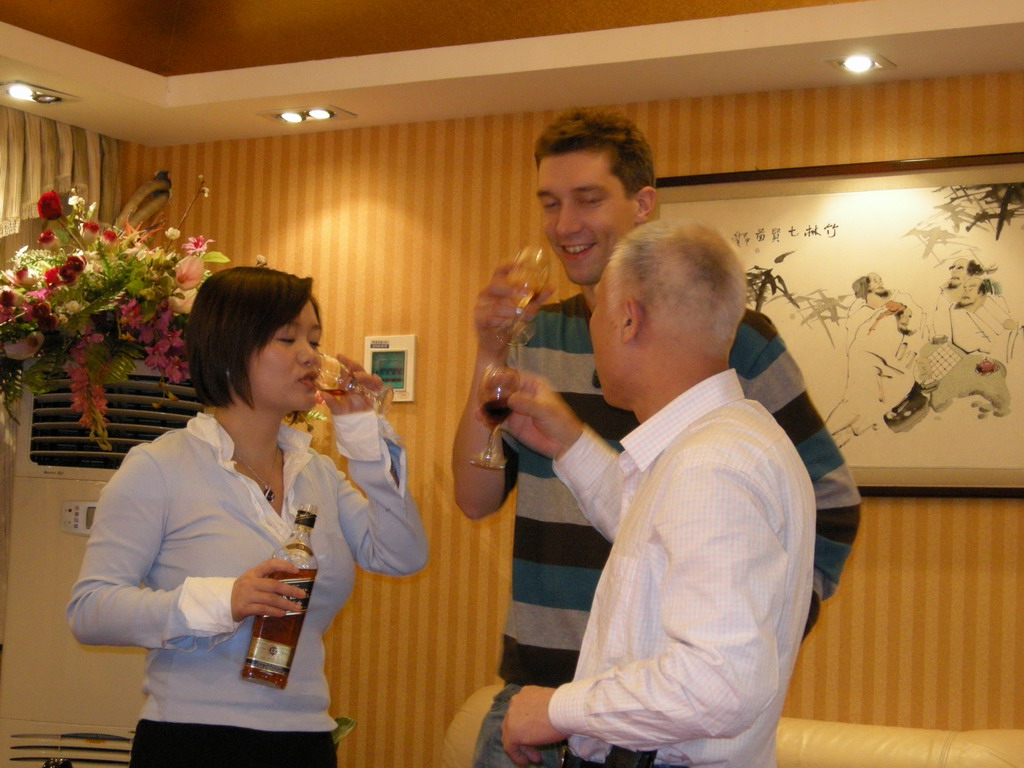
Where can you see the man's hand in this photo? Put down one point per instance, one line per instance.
(541, 419)
(527, 725)
(496, 307)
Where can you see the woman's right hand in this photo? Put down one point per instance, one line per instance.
(255, 593)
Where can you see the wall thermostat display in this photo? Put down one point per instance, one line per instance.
(76, 516)
(393, 358)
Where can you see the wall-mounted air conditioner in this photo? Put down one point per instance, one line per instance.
(57, 697)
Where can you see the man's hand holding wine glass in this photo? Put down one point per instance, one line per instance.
(540, 418)
(507, 304)
(531, 411)
(528, 277)
(497, 384)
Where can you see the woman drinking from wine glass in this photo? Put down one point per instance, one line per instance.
(179, 557)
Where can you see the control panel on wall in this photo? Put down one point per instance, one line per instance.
(76, 516)
(393, 358)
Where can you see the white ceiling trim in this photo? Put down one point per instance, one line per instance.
(733, 54)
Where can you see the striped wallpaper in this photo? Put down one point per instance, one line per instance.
(401, 225)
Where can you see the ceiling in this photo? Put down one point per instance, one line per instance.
(175, 73)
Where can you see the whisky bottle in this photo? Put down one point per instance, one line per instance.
(272, 647)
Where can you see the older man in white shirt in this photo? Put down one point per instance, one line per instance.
(699, 613)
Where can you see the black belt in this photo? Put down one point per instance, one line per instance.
(617, 758)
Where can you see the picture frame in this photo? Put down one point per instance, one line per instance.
(898, 288)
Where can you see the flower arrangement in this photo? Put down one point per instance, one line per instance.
(91, 299)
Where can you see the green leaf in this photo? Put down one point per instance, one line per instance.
(10, 383)
(122, 364)
(345, 726)
(40, 377)
(215, 257)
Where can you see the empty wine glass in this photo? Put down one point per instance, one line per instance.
(497, 383)
(528, 276)
(336, 378)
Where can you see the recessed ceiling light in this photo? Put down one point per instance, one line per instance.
(20, 92)
(34, 93)
(303, 114)
(858, 64)
(861, 62)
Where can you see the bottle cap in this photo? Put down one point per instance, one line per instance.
(306, 515)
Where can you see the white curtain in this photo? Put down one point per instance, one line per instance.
(38, 155)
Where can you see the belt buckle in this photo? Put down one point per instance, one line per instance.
(563, 756)
(620, 757)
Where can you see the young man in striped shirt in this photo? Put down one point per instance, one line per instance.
(595, 185)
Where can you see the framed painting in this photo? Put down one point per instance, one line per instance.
(899, 289)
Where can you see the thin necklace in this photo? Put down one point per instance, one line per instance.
(268, 494)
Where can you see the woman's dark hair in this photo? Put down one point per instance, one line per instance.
(235, 314)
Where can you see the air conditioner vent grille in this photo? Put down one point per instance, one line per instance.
(139, 410)
(80, 748)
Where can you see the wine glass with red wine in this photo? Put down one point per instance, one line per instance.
(497, 383)
(336, 378)
(528, 276)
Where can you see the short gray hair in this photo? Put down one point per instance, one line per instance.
(687, 271)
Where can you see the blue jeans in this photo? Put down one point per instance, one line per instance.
(489, 752)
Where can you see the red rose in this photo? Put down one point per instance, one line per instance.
(75, 264)
(47, 323)
(90, 230)
(52, 276)
(48, 239)
(49, 206)
(68, 274)
(40, 311)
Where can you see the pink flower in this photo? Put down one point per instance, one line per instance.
(196, 245)
(24, 349)
(48, 239)
(25, 278)
(87, 396)
(167, 355)
(90, 231)
(189, 272)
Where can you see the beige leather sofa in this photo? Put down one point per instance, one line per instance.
(815, 744)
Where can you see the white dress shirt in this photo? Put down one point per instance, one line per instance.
(700, 610)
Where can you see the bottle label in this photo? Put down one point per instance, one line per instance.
(305, 584)
(269, 656)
